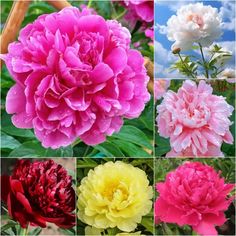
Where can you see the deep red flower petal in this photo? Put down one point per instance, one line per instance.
(66, 221)
(5, 187)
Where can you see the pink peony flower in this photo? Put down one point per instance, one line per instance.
(76, 76)
(194, 194)
(195, 120)
(160, 87)
(140, 9)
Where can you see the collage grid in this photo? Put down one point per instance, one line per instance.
(117, 117)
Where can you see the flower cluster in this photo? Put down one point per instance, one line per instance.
(114, 194)
(195, 120)
(74, 80)
(194, 23)
(194, 194)
(39, 192)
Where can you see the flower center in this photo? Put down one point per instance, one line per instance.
(195, 117)
(196, 19)
(115, 190)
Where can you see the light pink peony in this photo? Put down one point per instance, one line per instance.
(160, 87)
(194, 194)
(76, 76)
(195, 120)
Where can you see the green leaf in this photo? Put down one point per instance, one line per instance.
(147, 222)
(35, 231)
(8, 141)
(132, 134)
(67, 231)
(29, 149)
(60, 152)
(109, 149)
(131, 149)
(8, 225)
(86, 163)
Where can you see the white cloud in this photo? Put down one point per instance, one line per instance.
(161, 28)
(174, 5)
(163, 60)
(227, 12)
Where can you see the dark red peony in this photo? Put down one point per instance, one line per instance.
(39, 192)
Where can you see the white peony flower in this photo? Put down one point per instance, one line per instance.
(194, 23)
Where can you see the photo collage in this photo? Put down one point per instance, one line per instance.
(117, 117)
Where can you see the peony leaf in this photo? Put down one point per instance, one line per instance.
(132, 134)
(35, 231)
(29, 149)
(9, 142)
(109, 149)
(130, 149)
(147, 222)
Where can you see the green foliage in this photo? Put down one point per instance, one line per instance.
(192, 66)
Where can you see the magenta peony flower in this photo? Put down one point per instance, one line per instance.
(160, 87)
(39, 192)
(76, 76)
(140, 9)
(195, 120)
(195, 195)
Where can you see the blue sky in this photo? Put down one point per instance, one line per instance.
(165, 9)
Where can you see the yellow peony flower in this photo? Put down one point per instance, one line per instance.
(115, 194)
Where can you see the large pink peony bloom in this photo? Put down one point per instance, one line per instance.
(195, 120)
(76, 76)
(195, 195)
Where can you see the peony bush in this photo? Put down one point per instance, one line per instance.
(76, 84)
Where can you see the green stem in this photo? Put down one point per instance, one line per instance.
(89, 3)
(76, 142)
(25, 231)
(86, 151)
(120, 15)
(185, 65)
(204, 61)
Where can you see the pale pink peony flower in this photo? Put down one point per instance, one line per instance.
(194, 23)
(160, 87)
(76, 76)
(194, 194)
(195, 120)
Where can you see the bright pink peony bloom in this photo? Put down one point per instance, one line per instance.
(76, 76)
(195, 120)
(140, 9)
(195, 195)
(160, 87)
